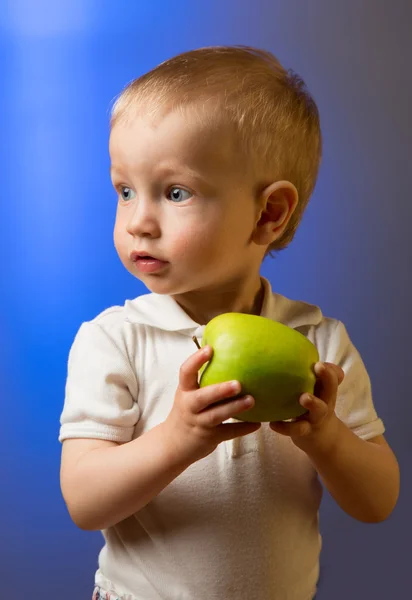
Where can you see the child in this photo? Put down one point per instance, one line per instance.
(214, 156)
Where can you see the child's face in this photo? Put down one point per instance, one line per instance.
(184, 200)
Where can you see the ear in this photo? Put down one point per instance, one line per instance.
(278, 202)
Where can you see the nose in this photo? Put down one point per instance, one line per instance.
(144, 219)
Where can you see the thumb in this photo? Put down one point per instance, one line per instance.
(338, 370)
(188, 373)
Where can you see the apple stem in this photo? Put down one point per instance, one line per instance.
(194, 338)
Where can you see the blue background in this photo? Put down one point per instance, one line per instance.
(61, 64)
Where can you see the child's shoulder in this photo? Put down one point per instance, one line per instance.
(109, 318)
(328, 334)
(129, 311)
(110, 331)
(150, 309)
(295, 313)
(325, 332)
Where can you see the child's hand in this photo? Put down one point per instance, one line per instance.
(195, 426)
(320, 421)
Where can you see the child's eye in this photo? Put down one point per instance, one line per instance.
(178, 194)
(126, 193)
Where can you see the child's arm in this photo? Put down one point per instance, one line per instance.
(362, 476)
(103, 482)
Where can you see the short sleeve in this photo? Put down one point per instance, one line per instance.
(354, 405)
(101, 388)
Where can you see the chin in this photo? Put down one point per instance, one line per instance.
(167, 286)
(156, 285)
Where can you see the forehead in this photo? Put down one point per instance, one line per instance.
(178, 136)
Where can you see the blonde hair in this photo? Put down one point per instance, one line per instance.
(271, 110)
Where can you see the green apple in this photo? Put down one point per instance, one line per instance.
(273, 362)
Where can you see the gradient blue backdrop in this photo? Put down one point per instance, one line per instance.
(61, 64)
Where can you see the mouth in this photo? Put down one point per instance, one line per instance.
(135, 256)
(146, 263)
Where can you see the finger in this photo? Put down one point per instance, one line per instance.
(229, 431)
(296, 429)
(188, 373)
(318, 409)
(339, 371)
(216, 414)
(327, 384)
(215, 393)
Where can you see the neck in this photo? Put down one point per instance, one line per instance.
(237, 296)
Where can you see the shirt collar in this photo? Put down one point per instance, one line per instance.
(163, 312)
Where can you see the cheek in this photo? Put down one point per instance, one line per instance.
(119, 238)
(194, 239)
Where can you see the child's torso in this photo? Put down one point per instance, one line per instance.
(240, 520)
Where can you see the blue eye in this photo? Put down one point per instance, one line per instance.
(127, 193)
(178, 194)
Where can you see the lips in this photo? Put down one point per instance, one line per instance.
(147, 264)
(136, 255)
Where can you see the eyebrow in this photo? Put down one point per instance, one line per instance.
(167, 170)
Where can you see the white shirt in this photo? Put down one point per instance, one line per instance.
(241, 523)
